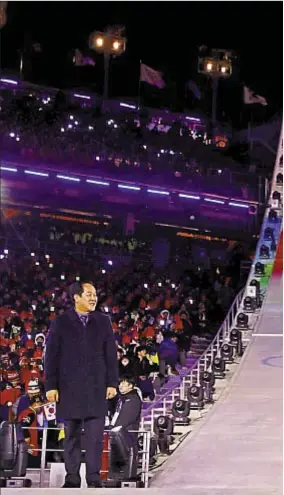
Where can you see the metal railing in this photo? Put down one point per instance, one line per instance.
(164, 402)
(143, 454)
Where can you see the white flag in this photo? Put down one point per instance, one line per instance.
(80, 61)
(252, 98)
(50, 411)
(151, 76)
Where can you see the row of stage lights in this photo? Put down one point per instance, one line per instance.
(197, 395)
(200, 393)
(157, 192)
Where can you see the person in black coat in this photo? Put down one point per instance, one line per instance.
(142, 369)
(127, 416)
(81, 373)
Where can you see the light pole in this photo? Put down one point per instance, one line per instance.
(217, 64)
(109, 43)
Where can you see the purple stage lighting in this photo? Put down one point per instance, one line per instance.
(239, 205)
(65, 177)
(214, 201)
(154, 191)
(126, 105)
(33, 172)
(8, 81)
(97, 182)
(188, 196)
(194, 119)
(9, 169)
(84, 97)
(131, 188)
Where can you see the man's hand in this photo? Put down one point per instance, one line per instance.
(52, 395)
(111, 393)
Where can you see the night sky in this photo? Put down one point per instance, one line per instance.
(165, 35)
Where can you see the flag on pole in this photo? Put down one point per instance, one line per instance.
(151, 76)
(80, 61)
(252, 98)
(192, 86)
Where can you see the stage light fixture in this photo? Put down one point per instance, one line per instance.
(279, 179)
(227, 352)
(249, 304)
(236, 341)
(272, 216)
(254, 284)
(264, 252)
(207, 380)
(164, 429)
(268, 234)
(218, 367)
(276, 195)
(242, 321)
(259, 269)
(181, 411)
(195, 396)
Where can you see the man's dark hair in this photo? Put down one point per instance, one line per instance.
(77, 288)
(129, 379)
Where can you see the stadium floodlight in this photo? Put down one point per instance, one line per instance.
(216, 64)
(110, 42)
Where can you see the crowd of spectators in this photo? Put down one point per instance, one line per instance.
(41, 129)
(154, 318)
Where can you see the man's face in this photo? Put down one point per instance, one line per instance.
(125, 387)
(88, 300)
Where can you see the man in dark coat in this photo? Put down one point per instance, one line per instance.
(81, 373)
(127, 416)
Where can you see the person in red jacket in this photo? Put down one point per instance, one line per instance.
(12, 390)
(28, 419)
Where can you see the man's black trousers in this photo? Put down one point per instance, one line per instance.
(93, 444)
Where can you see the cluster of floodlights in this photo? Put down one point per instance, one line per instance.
(197, 395)
(253, 300)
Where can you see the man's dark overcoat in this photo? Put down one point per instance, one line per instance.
(81, 362)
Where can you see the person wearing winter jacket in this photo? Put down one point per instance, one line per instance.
(168, 353)
(126, 420)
